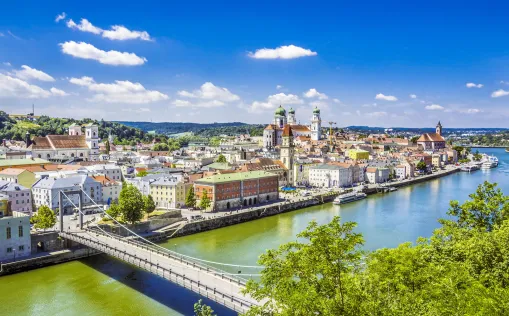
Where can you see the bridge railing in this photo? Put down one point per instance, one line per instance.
(180, 279)
(231, 277)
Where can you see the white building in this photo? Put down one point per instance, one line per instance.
(46, 191)
(69, 146)
(272, 134)
(330, 176)
(316, 125)
(14, 236)
(111, 171)
(110, 188)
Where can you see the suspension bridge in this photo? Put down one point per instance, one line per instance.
(204, 277)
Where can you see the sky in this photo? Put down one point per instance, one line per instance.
(376, 63)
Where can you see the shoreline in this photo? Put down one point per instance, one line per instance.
(220, 221)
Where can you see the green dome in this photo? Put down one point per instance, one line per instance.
(280, 111)
(292, 111)
(316, 110)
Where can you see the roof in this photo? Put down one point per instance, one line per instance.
(22, 162)
(238, 176)
(280, 111)
(371, 169)
(287, 131)
(316, 110)
(327, 167)
(167, 181)
(104, 180)
(219, 166)
(300, 128)
(60, 183)
(12, 171)
(7, 186)
(431, 137)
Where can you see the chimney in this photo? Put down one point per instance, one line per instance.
(28, 141)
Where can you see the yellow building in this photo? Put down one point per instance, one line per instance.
(17, 175)
(358, 154)
(169, 192)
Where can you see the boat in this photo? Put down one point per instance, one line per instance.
(486, 165)
(469, 168)
(392, 189)
(350, 197)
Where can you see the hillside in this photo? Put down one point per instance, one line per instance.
(204, 130)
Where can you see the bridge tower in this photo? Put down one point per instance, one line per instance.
(61, 196)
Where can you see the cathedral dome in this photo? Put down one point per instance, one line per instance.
(316, 110)
(292, 111)
(280, 111)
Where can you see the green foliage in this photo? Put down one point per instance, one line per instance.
(114, 210)
(45, 218)
(142, 173)
(150, 206)
(131, 204)
(460, 270)
(204, 201)
(191, 198)
(214, 141)
(414, 139)
(173, 144)
(161, 147)
(201, 309)
(464, 160)
(477, 156)
(421, 165)
(108, 146)
(221, 158)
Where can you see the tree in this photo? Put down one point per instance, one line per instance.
(107, 145)
(45, 218)
(191, 198)
(114, 210)
(204, 201)
(221, 158)
(131, 204)
(477, 156)
(214, 141)
(201, 309)
(421, 165)
(142, 173)
(161, 147)
(310, 276)
(414, 139)
(150, 206)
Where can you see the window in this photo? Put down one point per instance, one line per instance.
(21, 248)
(9, 249)
(8, 232)
(20, 231)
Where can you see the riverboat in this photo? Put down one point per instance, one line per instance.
(347, 198)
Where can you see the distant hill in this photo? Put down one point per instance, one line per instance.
(206, 130)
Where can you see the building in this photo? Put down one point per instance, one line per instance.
(111, 171)
(240, 189)
(358, 154)
(301, 171)
(75, 145)
(22, 163)
(272, 134)
(169, 192)
(110, 188)
(19, 176)
(287, 152)
(432, 141)
(46, 192)
(330, 176)
(20, 197)
(316, 125)
(14, 235)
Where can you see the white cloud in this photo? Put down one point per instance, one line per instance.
(376, 114)
(6, 63)
(472, 111)
(381, 96)
(117, 32)
(434, 107)
(181, 103)
(282, 52)
(279, 87)
(313, 93)
(499, 93)
(275, 100)
(88, 51)
(27, 73)
(208, 91)
(504, 82)
(473, 85)
(119, 91)
(319, 104)
(336, 101)
(84, 26)
(413, 96)
(121, 33)
(57, 92)
(17, 88)
(60, 17)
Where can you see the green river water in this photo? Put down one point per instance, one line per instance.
(104, 286)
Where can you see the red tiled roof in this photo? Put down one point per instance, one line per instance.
(287, 131)
(300, 128)
(431, 137)
(59, 141)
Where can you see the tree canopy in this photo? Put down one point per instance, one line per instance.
(460, 270)
(221, 158)
(191, 198)
(204, 201)
(150, 206)
(131, 204)
(45, 218)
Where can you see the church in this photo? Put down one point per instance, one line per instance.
(273, 133)
(432, 141)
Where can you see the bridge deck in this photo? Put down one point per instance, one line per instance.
(210, 283)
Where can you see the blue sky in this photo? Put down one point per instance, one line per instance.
(366, 63)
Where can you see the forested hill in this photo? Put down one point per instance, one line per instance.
(205, 130)
(45, 125)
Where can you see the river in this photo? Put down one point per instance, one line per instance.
(104, 286)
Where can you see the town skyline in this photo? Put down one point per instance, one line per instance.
(395, 65)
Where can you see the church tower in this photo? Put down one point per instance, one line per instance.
(92, 140)
(439, 129)
(280, 117)
(287, 151)
(316, 125)
(291, 117)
